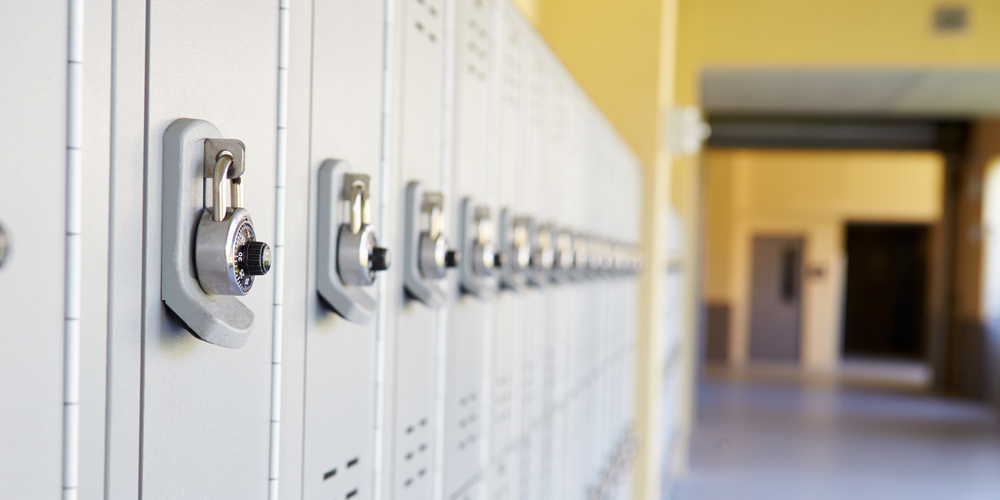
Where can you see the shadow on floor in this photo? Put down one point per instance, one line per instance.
(767, 435)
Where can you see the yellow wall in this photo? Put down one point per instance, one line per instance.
(829, 33)
(812, 194)
(528, 8)
(613, 50)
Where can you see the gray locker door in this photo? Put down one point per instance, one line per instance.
(206, 409)
(510, 179)
(467, 315)
(33, 83)
(418, 71)
(348, 40)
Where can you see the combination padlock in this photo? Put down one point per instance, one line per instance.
(485, 256)
(564, 253)
(435, 255)
(227, 253)
(358, 255)
(543, 257)
(515, 247)
(426, 253)
(521, 246)
(477, 274)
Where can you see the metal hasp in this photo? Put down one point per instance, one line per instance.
(515, 244)
(426, 255)
(476, 274)
(4, 246)
(348, 254)
(220, 319)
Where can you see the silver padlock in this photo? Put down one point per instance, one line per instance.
(358, 255)
(564, 252)
(515, 246)
(485, 254)
(543, 256)
(435, 257)
(227, 253)
(521, 246)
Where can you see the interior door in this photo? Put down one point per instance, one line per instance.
(775, 298)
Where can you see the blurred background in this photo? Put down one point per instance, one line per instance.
(838, 279)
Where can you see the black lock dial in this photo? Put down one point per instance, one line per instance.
(252, 257)
(258, 256)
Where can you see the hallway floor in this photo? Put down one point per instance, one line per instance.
(780, 439)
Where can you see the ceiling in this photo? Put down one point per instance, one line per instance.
(925, 93)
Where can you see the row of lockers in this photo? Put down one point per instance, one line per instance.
(510, 376)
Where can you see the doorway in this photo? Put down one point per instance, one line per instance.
(886, 295)
(775, 298)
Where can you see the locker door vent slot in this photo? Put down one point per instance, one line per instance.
(351, 493)
(477, 50)
(433, 12)
(329, 474)
(352, 462)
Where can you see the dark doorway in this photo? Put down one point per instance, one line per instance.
(884, 308)
(775, 299)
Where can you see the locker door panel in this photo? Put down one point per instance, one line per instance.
(206, 409)
(508, 326)
(341, 357)
(417, 71)
(467, 315)
(33, 86)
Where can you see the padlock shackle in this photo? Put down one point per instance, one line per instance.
(222, 164)
(358, 201)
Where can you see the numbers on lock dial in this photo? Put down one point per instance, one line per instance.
(244, 236)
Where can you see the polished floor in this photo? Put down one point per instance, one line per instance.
(779, 438)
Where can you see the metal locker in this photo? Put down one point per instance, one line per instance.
(412, 329)
(537, 369)
(206, 409)
(512, 196)
(347, 40)
(469, 314)
(33, 53)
